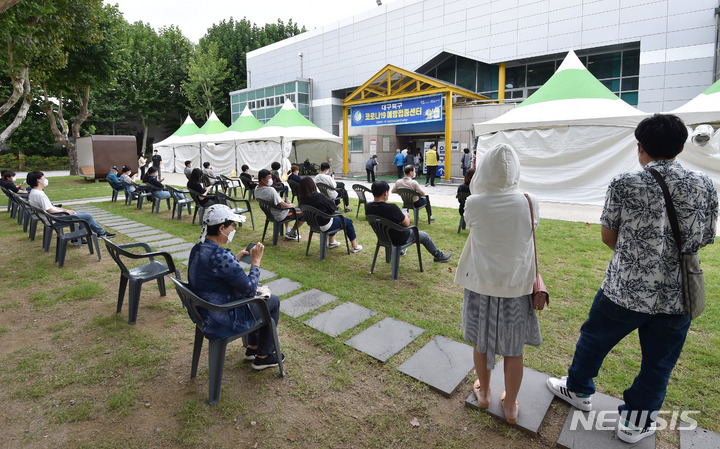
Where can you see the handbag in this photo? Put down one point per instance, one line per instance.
(540, 295)
(693, 278)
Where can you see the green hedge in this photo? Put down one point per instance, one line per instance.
(12, 162)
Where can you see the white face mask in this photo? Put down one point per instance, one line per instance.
(230, 235)
(13, 178)
(269, 182)
(46, 182)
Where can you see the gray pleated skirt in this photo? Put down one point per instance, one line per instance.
(501, 326)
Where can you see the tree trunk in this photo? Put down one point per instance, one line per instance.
(18, 83)
(61, 132)
(145, 134)
(21, 114)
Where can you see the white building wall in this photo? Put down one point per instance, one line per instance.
(677, 42)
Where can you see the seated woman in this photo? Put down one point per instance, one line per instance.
(294, 170)
(151, 178)
(215, 274)
(195, 184)
(281, 188)
(252, 184)
(128, 179)
(464, 188)
(308, 195)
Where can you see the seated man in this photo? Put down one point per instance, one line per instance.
(278, 185)
(215, 274)
(247, 176)
(338, 188)
(113, 180)
(8, 181)
(128, 179)
(407, 182)
(208, 171)
(265, 192)
(188, 170)
(381, 208)
(38, 198)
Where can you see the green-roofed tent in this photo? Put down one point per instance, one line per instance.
(705, 108)
(183, 141)
(572, 136)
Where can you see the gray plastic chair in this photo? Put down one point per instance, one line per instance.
(326, 189)
(360, 191)
(267, 208)
(179, 203)
(408, 203)
(232, 203)
(382, 227)
(136, 277)
(311, 215)
(217, 348)
(78, 228)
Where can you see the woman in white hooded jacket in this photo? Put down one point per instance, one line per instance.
(497, 269)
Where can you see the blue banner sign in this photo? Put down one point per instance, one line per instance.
(410, 110)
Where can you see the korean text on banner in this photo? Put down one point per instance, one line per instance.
(409, 110)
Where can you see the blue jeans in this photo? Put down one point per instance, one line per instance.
(263, 337)
(87, 216)
(662, 337)
(162, 194)
(426, 241)
(348, 225)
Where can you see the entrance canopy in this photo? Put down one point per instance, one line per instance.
(393, 83)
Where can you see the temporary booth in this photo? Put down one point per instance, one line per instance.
(96, 154)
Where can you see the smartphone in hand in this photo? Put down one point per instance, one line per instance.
(246, 258)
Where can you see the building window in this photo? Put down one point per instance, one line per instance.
(355, 144)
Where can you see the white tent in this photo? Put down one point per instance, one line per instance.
(179, 147)
(705, 108)
(572, 136)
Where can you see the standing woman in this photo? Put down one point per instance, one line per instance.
(141, 165)
(497, 270)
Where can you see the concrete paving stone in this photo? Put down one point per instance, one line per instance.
(534, 398)
(142, 233)
(130, 227)
(283, 286)
(305, 302)
(118, 222)
(266, 274)
(340, 319)
(136, 230)
(698, 438)
(384, 339)
(168, 242)
(603, 415)
(442, 363)
(181, 255)
(154, 237)
(176, 248)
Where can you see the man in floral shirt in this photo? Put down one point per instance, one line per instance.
(643, 286)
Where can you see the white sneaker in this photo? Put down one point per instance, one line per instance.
(357, 249)
(559, 388)
(631, 434)
(334, 244)
(291, 235)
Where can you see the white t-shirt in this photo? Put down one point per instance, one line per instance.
(321, 178)
(39, 199)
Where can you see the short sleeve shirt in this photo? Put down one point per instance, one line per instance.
(392, 213)
(408, 183)
(328, 181)
(269, 194)
(39, 199)
(644, 272)
(156, 159)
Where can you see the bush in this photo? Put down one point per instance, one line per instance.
(42, 163)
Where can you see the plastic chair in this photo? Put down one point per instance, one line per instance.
(199, 208)
(213, 183)
(267, 208)
(230, 184)
(115, 193)
(311, 215)
(30, 218)
(232, 203)
(136, 277)
(11, 205)
(360, 191)
(326, 189)
(179, 203)
(382, 227)
(217, 348)
(293, 188)
(462, 197)
(79, 229)
(408, 203)
(140, 194)
(247, 185)
(156, 200)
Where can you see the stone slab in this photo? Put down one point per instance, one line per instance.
(340, 319)
(283, 286)
(176, 248)
(605, 439)
(133, 228)
(699, 438)
(384, 339)
(168, 242)
(154, 237)
(181, 255)
(118, 222)
(534, 398)
(266, 274)
(305, 302)
(442, 364)
(142, 233)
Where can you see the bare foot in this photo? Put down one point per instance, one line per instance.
(483, 395)
(511, 410)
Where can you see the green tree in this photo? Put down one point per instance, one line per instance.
(206, 73)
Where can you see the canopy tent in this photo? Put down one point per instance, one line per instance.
(182, 138)
(572, 136)
(219, 151)
(288, 130)
(705, 108)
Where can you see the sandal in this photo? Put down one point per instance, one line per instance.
(510, 421)
(476, 390)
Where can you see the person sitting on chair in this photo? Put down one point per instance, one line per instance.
(294, 170)
(338, 188)
(38, 198)
(113, 179)
(8, 178)
(265, 192)
(128, 179)
(208, 171)
(195, 184)
(383, 209)
(188, 170)
(309, 196)
(215, 274)
(278, 185)
(407, 182)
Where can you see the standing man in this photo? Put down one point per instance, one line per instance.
(370, 167)
(431, 161)
(643, 286)
(398, 162)
(157, 163)
(466, 161)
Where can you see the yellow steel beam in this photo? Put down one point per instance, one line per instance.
(448, 133)
(501, 82)
(346, 152)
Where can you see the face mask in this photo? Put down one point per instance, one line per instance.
(269, 182)
(13, 178)
(230, 235)
(46, 182)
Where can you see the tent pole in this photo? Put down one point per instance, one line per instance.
(346, 155)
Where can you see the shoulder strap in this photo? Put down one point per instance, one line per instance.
(532, 226)
(669, 206)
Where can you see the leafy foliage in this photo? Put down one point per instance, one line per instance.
(206, 73)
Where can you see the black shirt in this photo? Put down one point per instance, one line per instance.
(9, 185)
(152, 180)
(321, 203)
(156, 160)
(392, 213)
(248, 176)
(464, 188)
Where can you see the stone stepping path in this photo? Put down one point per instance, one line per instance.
(699, 438)
(340, 319)
(386, 338)
(305, 302)
(442, 363)
(283, 286)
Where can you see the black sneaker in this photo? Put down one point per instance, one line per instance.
(108, 235)
(442, 257)
(250, 354)
(268, 362)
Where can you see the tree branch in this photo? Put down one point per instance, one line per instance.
(21, 114)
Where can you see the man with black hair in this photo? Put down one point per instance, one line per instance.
(157, 163)
(265, 192)
(8, 181)
(381, 208)
(338, 188)
(408, 182)
(208, 171)
(188, 169)
(37, 181)
(642, 289)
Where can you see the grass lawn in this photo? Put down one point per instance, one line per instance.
(332, 393)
